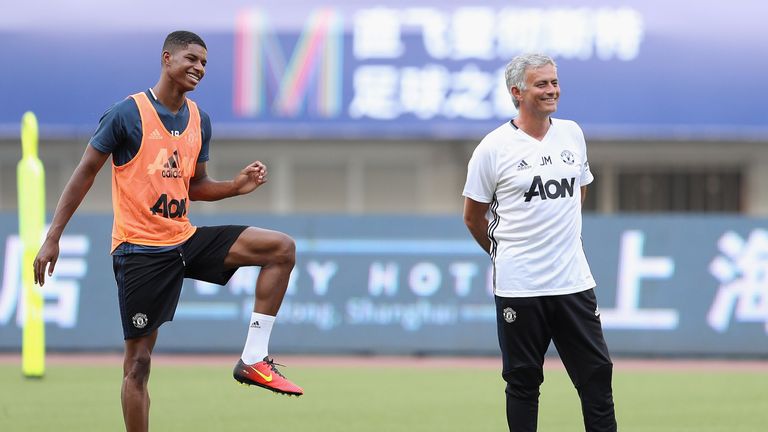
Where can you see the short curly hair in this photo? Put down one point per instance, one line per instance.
(180, 39)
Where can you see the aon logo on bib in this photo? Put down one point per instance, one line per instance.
(169, 208)
(552, 189)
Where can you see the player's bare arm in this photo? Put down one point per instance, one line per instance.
(476, 221)
(204, 188)
(74, 192)
(583, 195)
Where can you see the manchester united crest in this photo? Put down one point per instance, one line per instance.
(140, 320)
(509, 315)
(567, 157)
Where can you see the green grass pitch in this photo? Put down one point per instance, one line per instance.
(373, 399)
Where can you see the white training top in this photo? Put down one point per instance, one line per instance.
(533, 188)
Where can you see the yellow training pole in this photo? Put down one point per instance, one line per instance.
(30, 177)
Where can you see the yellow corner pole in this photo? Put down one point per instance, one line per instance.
(30, 177)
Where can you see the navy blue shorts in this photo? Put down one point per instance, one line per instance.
(149, 284)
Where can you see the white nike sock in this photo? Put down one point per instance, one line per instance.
(257, 342)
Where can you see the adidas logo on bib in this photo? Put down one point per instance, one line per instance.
(155, 135)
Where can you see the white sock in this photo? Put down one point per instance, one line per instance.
(257, 342)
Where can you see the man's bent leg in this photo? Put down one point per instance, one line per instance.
(275, 253)
(134, 393)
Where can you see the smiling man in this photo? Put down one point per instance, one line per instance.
(529, 176)
(159, 141)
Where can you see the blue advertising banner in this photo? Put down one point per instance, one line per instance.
(667, 285)
(345, 69)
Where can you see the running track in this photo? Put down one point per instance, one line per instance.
(751, 365)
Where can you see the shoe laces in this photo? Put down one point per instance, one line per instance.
(273, 366)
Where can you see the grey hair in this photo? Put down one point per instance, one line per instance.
(515, 70)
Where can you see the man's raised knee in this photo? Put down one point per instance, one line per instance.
(285, 251)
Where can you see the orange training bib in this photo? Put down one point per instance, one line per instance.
(150, 194)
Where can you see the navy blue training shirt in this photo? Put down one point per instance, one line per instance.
(119, 131)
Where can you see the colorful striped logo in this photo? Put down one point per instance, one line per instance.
(307, 80)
